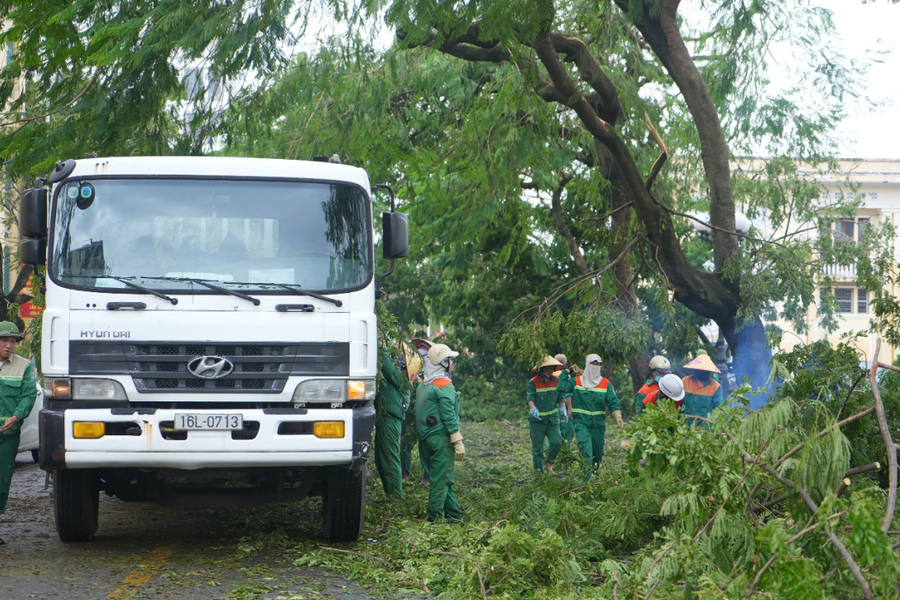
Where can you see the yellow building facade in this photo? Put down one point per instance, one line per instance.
(875, 185)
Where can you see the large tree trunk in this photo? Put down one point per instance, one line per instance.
(664, 36)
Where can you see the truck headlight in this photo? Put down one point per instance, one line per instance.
(320, 390)
(97, 389)
(59, 389)
(361, 389)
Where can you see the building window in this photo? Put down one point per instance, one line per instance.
(825, 195)
(862, 301)
(850, 230)
(843, 299)
(838, 195)
(873, 195)
(849, 300)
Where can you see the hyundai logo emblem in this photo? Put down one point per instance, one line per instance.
(210, 367)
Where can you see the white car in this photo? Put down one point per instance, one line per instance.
(30, 439)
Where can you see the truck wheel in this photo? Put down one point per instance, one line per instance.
(77, 504)
(344, 503)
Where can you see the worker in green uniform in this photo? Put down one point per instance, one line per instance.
(566, 431)
(18, 390)
(586, 399)
(420, 346)
(437, 420)
(391, 401)
(545, 410)
(659, 368)
(702, 394)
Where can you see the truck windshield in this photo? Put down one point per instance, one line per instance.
(162, 233)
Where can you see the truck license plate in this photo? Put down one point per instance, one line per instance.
(225, 422)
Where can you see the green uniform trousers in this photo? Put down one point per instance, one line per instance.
(567, 431)
(440, 461)
(406, 450)
(540, 430)
(387, 455)
(590, 445)
(9, 447)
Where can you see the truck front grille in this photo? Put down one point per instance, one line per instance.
(164, 367)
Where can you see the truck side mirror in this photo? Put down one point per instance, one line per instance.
(33, 213)
(33, 251)
(395, 234)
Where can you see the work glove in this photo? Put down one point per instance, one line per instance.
(459, 450)
(535, 413)
(563, 415)
(617, 415)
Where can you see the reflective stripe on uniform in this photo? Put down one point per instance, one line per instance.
(595, 390)
(588, 412)
(549, 412)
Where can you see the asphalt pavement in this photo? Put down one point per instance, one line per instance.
(144, 551)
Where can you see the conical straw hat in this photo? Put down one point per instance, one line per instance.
(413, 361)
(703, 363)
(549, 361)
(416, 342)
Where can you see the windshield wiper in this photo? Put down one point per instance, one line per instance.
(144, 289)
(211, 286)
(300, 291)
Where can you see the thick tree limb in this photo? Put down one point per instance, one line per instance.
(664, 36)
(890, 447)
(863, 469)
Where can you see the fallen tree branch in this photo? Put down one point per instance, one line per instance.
(787, 542)
(837, 543)
(890, 446)
(824, 432)
(845, 483)
(863, 469)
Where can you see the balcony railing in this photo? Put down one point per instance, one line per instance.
(839, 271)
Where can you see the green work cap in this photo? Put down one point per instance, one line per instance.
(8, 329)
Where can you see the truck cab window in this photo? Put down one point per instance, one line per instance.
(315, 235)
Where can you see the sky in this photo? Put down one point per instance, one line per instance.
(864, 28)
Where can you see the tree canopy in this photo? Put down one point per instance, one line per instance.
(554, 156)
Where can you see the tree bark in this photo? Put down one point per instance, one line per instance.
(563, 229)
(638, 366)
(664, 37)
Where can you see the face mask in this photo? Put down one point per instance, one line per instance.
(423, 352)
(656, 378)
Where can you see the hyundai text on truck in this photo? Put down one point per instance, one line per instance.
(209, 336)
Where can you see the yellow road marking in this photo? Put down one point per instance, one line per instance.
(134, 580)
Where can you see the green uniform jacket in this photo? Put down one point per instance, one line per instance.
(589, 404)
(437, 408)
(17, 390)
(545, 398)
(394, 400)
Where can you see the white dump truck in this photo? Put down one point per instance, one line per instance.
(209, 336)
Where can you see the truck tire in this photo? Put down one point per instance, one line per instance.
(77, 504)
(344, 503)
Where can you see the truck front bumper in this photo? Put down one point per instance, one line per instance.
(150, 442)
